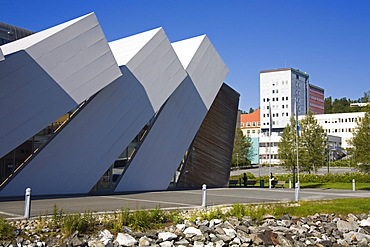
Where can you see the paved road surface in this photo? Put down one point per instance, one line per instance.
(171, 199)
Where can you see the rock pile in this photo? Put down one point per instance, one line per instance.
(286, 231)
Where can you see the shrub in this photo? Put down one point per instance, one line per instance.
(6, 230)
(345, 177)
(57, 216)
(76, 222)
(214, 213)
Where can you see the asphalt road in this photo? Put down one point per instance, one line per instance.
(185, 199)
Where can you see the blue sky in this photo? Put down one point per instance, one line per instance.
(330, 40)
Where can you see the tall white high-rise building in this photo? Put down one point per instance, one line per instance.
(279, 90)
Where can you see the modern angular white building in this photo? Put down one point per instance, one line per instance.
(82, 116)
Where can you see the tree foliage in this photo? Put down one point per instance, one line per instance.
(343, 105)
(288, 147)
(242, 149)
(312, 145)
(361, 143)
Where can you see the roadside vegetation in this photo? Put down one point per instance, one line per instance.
(144, 220)
(325, 181)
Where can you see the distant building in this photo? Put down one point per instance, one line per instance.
(316, 99)
(282, 93)
(340, 124)
(250, 125)
(280, 90)
(359, 104)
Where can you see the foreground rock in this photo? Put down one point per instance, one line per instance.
(317, 230)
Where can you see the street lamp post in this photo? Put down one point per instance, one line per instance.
(237, 160)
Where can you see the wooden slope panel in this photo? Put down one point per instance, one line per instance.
(210, 159)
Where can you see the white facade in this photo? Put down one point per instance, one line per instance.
(278, 90)
(339, 128)
(46, 74)
(180, 118)
(340, 124)
(123, 85)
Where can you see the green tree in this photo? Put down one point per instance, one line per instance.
(251, 110)
(287, 149)
(242, 149)
(314, 144)
(328, 105)
(361, 143)
(341, 105)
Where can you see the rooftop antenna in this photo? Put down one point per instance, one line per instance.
(285, 63)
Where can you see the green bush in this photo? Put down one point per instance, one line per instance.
(214, 213)
(249, 175)
(140, 220)
(6, 230)
(82, 223)
(345, 177)
(57, 216)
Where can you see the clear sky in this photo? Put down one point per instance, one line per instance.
(330, 40)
